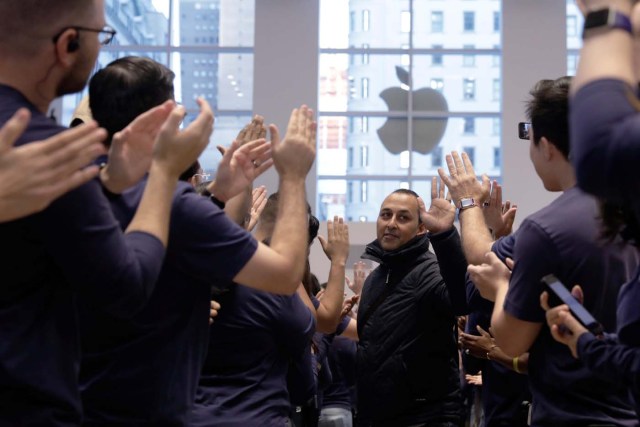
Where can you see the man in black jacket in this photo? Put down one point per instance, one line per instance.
(407, 356)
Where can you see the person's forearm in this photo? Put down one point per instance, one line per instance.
(621, 363)
(154, 211)
(290, 235)
(331, 303)
(498, 321)
(476, 238)
(608, 54)
(522, 361)
(238, 206)
(453, 268)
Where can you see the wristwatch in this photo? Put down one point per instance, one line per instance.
(466, 203)
(606, 19)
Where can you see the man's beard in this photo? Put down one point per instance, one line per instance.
(73, 82)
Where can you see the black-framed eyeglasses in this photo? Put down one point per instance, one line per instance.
(523, 130)
(105, 34)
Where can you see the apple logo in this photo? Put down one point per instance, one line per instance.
(427, 133)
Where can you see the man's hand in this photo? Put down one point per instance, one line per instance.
(441, 213)
(564, 327)
(336, 245)
(239, 167)
(213, 311)
(35, 174)
(252, 131)
(462, 182)
(360, 272)
(498, 216)
(131, 149)
(348, 304)
(477, 345)
(294, 155)
(491, 276)
(175, 150)
(259, 201)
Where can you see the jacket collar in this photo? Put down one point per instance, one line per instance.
(406, 254)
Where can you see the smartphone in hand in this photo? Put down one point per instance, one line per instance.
(559, 294)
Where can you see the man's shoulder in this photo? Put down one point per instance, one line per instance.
(40, 126)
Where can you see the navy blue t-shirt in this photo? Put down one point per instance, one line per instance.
(342, 362)
(562, 239)
(145, 370)
(252, 342)
(74, 246)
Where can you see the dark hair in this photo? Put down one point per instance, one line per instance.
(126, 88)
(548, 110)
(189, 173)
(270, 213)
(409, 193)
(619, 220)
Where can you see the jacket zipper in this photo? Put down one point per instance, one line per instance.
(388, 274)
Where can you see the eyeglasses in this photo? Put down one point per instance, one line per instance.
(106, 34)
(523, 130)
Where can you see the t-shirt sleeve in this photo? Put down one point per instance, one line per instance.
(617, 362)
(208, 243)
(86, 242)
(534, 256)
(604, 144)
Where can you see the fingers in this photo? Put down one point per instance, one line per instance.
(483, 332)
(172, 123)
(78, 178)
(434, 189)
(468, 166)
(544, 301)
(421, 206)
(577, 293)
(12, 130)
(445, 179)
(509, 262)
(294, 121)
(275, 136)
(323, 242)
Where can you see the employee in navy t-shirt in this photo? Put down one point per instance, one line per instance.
(75, 246)
(144, 370)
(606, 157)
(562, 239)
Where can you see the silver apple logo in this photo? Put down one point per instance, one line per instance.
(427, 133)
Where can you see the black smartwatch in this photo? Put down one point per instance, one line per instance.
(219, 203)
(604, 20)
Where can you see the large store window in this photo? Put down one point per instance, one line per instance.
(575, 21)
(432, 86)
(207, 43)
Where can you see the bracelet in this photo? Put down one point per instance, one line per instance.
(515, 365)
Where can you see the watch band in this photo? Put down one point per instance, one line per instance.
(606, 19)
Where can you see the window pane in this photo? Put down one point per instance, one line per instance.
(215, 22)
(469, 21)
(138, 22)
(575, 21)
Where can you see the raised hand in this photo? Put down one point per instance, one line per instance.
(462, 182)
(35, 174)
(259, 201)
(176, 150)
(252, 131)
(336, 245)
(360, 272)
(131, 149)
(294, 155)
(239, 167)
(492, 275)
(441, 213)
(498, 216)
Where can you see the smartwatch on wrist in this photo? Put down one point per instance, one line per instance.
(466, 203)
(219, 203)
(602, 20)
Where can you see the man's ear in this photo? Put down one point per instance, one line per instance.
(547, 148)
(422, 229)
(67, 46)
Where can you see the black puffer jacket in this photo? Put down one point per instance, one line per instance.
(407, 364)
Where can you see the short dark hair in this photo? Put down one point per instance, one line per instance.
(270, 213)
(548, 110)
(126, 88)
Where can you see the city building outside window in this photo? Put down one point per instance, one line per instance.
(469, 21)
